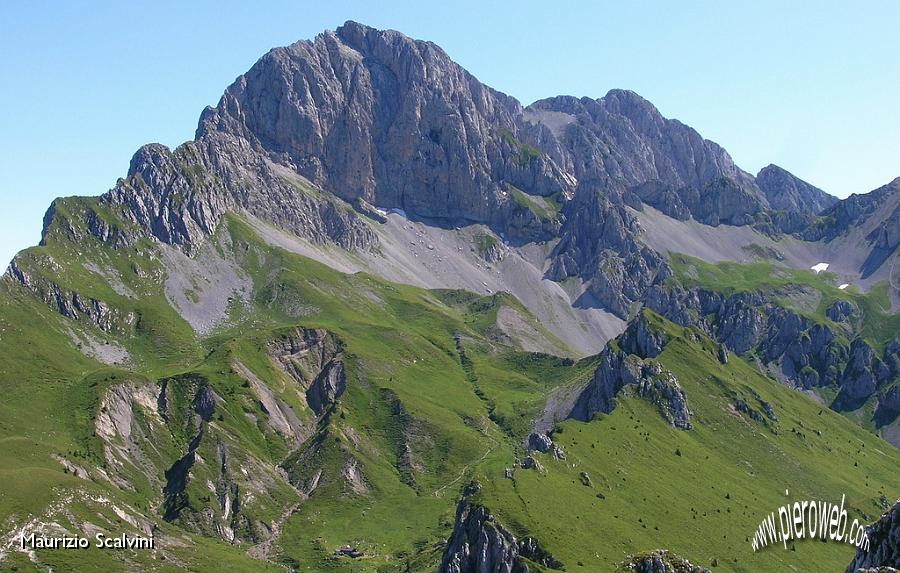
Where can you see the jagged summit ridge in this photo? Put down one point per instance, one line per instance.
(622, 136)
(318, 135)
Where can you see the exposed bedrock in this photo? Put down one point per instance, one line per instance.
(481, 544)
(884, 545)
(801, 352)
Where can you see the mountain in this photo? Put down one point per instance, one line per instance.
(378, 316)
(786, 192)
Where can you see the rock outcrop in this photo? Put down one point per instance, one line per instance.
(618, 370)
(539, 442)
(480, 544)
(660, 561)
(884, 544)
(841, 310)
(36, 275)
(798, 350)
(161, 440)
(661, 388)
(600, 243)
(642, 339)
(864, 374)
(313, 358)
(628, 363)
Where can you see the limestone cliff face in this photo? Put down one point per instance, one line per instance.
(480, 544)
(884, 545)
(375, 115)
(787, 192)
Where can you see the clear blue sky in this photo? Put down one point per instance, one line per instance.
(811, 86)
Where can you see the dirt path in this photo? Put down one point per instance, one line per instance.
(261, 550)
(465, 469)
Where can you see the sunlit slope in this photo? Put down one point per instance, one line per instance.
(700, 493)
(434, 398)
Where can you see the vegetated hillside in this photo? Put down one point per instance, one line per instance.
(838, 344)
(630, 482)
(223, 436)
(252, 441)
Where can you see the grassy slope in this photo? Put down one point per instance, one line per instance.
(397, 338)
(704, 503)
(402, 339)
(400, 345)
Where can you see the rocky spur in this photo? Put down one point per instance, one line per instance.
(32, 540)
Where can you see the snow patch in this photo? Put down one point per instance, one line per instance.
(819, 267)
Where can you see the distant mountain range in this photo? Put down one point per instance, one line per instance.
(378, 316)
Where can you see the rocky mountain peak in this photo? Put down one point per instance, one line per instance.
(374, 115)
(629, 104)
(318, 132)
(790, 193)
(628, 138)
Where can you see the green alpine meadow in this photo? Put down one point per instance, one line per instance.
(379, 317)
